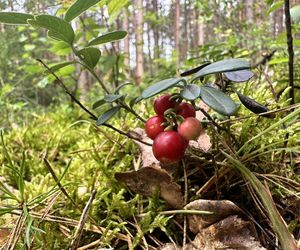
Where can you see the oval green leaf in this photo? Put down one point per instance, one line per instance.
(108, 37)
(194, 70)
(98, 103)
(78, 7)
(57, 28)
(218, 101)
(223, 66)
(15, 18)
(160, 87)
(113, 98)
(239, 76)
(90, 56)
(107, 115)
(58, 66)
(191, 92)
(253, 105)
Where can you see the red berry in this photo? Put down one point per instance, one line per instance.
(169, 147)
(154, 126)
(190, 128)
(162, 103)
(186, 110)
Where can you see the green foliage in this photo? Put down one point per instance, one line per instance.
(78, 7)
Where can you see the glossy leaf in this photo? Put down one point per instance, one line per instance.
(90, 56)
(15, 18)
(58, 66)
(239, 76)
(194, 70)
(191, 92)
(108, 37)
(98, 103)
(223, 66)
(218, 101)
(57, 28)
(253, 105)
(107, 115)
(113, 98)
(78, 7)
(160, 87)
(295, 13)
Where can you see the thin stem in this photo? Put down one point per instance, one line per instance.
(289, 37)
(92, 116)
(91, 71)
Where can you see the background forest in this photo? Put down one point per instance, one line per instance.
(63, 176)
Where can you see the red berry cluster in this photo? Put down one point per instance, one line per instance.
(171, 129)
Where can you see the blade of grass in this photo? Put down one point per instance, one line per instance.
(278, 224)
(276, 124)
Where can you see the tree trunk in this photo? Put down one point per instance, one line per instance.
(156, 31)
(139, 43)
(126, 42)
(177, 29)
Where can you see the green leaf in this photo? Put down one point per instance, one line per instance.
(15, 18)
(218, 101)
(114, 8)
(278, 61)
(58, 28)
(191, 92)
(277, 223)
(108, 37)
(89, 56)
(5, 210)
(160, 87)
(295, 13)
(98, 103)
(275, 6)
(112, 98)
(223, 66)
(239, 76)
(107, 115)
(58, 66)
(78, 7)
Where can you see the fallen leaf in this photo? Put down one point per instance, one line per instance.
(148, 180)
(146, 151)
(169, 246)
(229, 233)
(221, 209)
(203, 142)
(4, 235)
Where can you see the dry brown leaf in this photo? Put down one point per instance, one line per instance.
(229, 233)
(146, 151)
(148, 180)
(170, 246)
(203, 142)
(221, 209)
(4, 234)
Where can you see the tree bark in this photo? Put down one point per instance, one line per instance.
(156, 31)
(177, 29)
(126, 42)
(139, 43)
(289, 37)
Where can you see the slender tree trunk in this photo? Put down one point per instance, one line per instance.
(126, 42)
(177, 29)
(289, 37)
(139, 43)
(156, 31)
